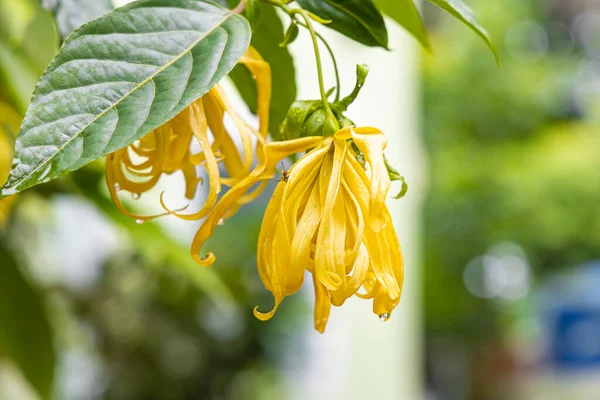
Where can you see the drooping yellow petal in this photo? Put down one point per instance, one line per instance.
(322, 306)
(322, 221)
(261, 71)
(371, 142)
(330, 246)
(274, 255)
(198, 126)
(272, 154)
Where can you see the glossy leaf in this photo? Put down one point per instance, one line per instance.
(266, 39)
(119, 77)
(25, 334)
(71, 14)
(357, 19)
(405, 13)
(461, 11)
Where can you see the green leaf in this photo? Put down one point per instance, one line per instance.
(266, 39)
(224, 3)
(405, 13)
(25, 333)
(71, 14)
(357, 19)
(461, 11)
(120, 76)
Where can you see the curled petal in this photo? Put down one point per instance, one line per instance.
(273, 153)
(197, 124)
(371, 142)
(261, 71)
(322, 306)
(268, 315)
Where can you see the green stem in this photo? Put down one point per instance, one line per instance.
(240, 7)
(335, 65)
(307, 24)
(315, 42)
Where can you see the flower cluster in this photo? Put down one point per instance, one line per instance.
(138, 167)
(328, 216)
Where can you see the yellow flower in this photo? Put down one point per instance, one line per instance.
(9, 125)
(329, 218)
(138, 167)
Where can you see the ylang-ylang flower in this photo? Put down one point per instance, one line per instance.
(167, 149)
(329, 218)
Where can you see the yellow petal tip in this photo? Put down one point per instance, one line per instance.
(264, 316)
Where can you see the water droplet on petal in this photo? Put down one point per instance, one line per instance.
(117, 186)
(135, 196)
(384, 317)
(221, 222)
(139, 221)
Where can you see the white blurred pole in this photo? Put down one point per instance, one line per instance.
(360, 357)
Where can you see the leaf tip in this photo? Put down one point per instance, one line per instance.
(7, 191)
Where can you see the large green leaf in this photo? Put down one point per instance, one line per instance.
(120, 76)
(461, 11)
(25, 334)
(266, 39)
(71, 14)
(358, 19)
(405, 13)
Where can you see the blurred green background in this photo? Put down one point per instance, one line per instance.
(513, 210)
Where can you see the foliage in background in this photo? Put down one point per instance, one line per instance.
(514, 158)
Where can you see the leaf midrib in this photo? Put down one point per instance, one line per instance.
(151, 77)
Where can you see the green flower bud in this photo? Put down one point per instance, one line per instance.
(299, 112)
(314, 124)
